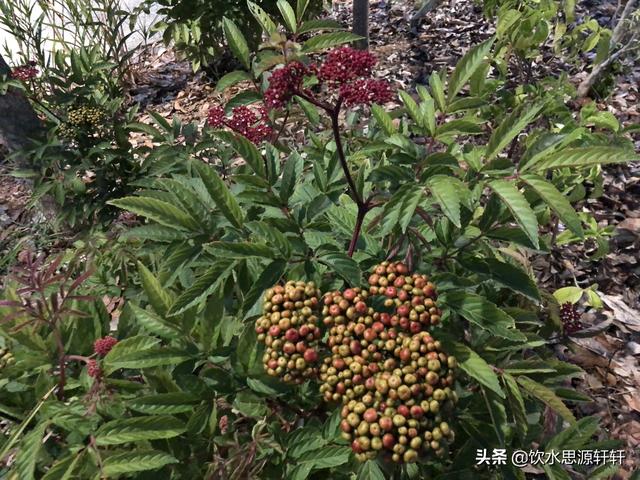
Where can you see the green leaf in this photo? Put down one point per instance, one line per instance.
(568, 295)
(383, 119)
(159, 211)
(412, 107)
(262, 17)
(220, 194)
(582, 157)
(483, 313)
(231, 79)
(312, 25)
(370, 470)
(63, 469)
(152, 357)
(558, 202)
(243, 249)
(328, 40)
(288, 15)
(327, 457)
(576, 436)
(137, 429)
(246, 149)
(158, 297)
(136, 461)
(236, 41)
(510, 128)
(344, 266)
(505, 274)
(250, 405)
(164, 403)
(269, 276)
(304, 440)
(547, 396)
(437, 90)
(519, 207)
(204, 286)
(446, 191)
(516, 405)
(467, 66)
(290, 175)
(301, 7)
(29, 452)
(475, 366)
(154, 324)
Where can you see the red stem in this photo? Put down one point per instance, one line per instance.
(362, 212)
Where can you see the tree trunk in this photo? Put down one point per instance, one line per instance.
(18, 120)
(361, 22)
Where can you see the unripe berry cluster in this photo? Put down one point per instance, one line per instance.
(392, 376)
(6, 358)
(289, 329)
(25, 72)
(570, 318)
(249, 122)
(84, 120)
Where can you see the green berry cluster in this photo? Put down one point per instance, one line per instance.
(84, 120)
(392, 376)
(6, 358)
(289, 329)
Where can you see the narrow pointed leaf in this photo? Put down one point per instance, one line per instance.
(509, 129)
(136, 461)
(157, 210)
(236, 41)
(519, 207)
(467, 66)
(547, 396)
(117, 432)
(220, 194)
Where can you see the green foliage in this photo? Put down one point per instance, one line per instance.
(219, 220)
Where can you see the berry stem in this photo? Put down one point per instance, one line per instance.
(335, 126)
(362, 212)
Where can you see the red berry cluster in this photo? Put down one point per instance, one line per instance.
(570, 318)
(103, 345)
(365, 92)
(93, 369)
(249, 122)
(25, 72)
(345, 72)
(289, 330)
(284, 83)
(345, 64)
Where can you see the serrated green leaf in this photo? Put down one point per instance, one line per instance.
(313, 25)
(290, 175)
(220, 194)
(547, 396)
(304, 440)
(156, 325)
(243, 249)
(232, 78)
(137, 461)
(582, 157)
(152, 357)
(437, 91)
(157, 210)
(301, 8)
(262, 17)
(558, 202)
(383, 119)
(412, 108)
(164, 403)
(568, 295)
(29, 451)
(269, 276)
(576, 436)
(370, 471)
(483, 313)
(288, 15)
(236, 41)
(204, 286)
(344, 266)
(475, 366)
(158, 297)
(328, 40)
(509, 129)
(327, 457)
(516, 405)
(137, 429)
(505, 274)
(245, 148)
(467, 65)
(446, 191)
(519, 207)
(130, 345)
